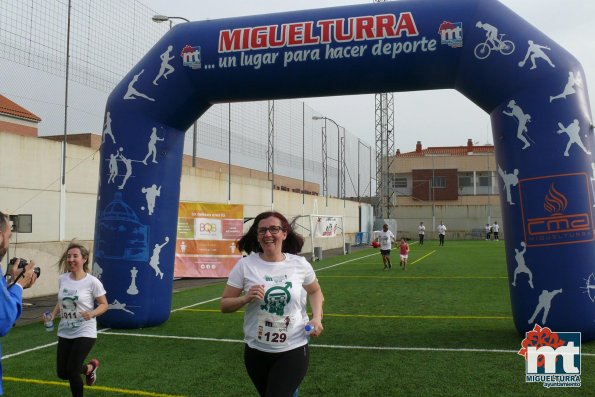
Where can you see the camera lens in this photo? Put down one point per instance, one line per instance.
(37, 271)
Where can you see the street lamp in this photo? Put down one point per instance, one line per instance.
(164, 18)
(338, 149)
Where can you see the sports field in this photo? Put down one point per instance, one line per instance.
(443, 327)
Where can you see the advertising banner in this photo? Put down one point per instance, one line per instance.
(206, 239)
(326, 226)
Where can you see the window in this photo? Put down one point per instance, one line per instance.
(484, 181)
(465, 181)
(399, 183)
(438, 181)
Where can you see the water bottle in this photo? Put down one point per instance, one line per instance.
(308, 329)
(49, 321)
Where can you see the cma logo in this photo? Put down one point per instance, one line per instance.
(556, 203)
(562, 218)
(208, 227)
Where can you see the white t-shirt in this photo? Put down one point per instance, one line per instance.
(442, 229)
(496, 228)
(75, 296)
(277, 323)
(385, 239)
(422, 229)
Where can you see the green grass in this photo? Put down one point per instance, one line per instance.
(441, 328)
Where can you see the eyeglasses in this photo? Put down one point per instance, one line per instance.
(271, 229)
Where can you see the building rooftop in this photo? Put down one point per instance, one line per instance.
(467, 150)
(9, 108)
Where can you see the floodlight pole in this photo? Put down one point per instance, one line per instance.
(62, 221)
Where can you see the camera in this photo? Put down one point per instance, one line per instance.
(23, 264)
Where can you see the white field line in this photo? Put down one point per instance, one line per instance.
(324, 346)
(344, 262)
(4, 357)
(102, 331)
(196, 304)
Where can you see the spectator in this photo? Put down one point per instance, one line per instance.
(11, 303)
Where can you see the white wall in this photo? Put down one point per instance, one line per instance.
(30, 184)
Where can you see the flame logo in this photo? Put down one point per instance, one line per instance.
(555, 202)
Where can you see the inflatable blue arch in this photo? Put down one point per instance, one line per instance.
(534, 91)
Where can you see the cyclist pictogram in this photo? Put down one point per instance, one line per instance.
(493, 42)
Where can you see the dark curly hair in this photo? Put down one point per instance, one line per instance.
(292, 244)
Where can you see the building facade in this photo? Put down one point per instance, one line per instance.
(455, 184)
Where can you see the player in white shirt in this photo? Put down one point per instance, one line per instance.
(421, 232)
(441, 232)
(496, 230)
(385, 238)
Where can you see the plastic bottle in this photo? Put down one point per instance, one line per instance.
(308, 329)
(49, 321)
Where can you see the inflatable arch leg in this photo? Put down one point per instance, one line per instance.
(533, 89)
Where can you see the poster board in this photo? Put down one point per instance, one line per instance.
(325, 226)
(206, 239)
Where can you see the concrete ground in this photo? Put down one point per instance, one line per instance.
(33, 308)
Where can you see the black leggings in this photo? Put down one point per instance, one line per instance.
(421, 239)
(277, 374)
(70, 358)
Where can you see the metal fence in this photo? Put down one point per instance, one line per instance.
(107, 38)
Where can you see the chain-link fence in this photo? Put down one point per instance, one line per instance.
(107, 38)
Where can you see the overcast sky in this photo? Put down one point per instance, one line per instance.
(436, 118)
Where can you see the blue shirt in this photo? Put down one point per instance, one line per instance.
(10, 310)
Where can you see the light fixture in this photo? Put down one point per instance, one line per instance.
(160, 18)
(164, 18)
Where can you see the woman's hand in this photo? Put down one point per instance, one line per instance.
(87, 315)
(256, 292)
(233, 299)
(318, 328)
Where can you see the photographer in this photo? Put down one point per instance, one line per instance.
(12, 296)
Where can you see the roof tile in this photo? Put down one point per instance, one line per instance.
(448, 150)
(9, 108)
